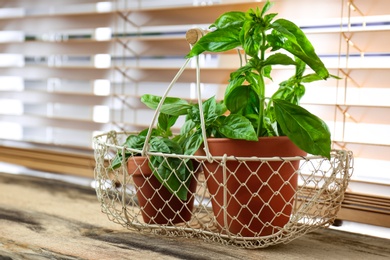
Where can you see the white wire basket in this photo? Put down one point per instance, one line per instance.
(316, 197)
(275, 199)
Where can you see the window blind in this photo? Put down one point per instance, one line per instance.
(72, 69)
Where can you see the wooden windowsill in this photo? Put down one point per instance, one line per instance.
(55, 219)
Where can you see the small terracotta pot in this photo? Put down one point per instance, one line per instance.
(259, 197)
(157, 204)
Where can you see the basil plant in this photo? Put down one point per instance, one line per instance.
(173, 173)
(268, 42)
(245, 112)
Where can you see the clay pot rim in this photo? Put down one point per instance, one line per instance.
(265, 147)
(263, 138)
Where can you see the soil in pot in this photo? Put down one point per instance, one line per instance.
(157, 204)
(255, 198)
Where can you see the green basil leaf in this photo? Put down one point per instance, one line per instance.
(117, 161)
(187, 127)
(135, 141)
(250, 41)
(299, 91)
(165, 122)
(266, 8)
(311, 78)
(275, 41)
(236, 80)
(290, 90)
(236, 75)
(296, 42)
(253, 117)
(269, 17)
(160, 145)
(238, 127)
(300, 67)
(283, 91)
(229, 19)
(194, 114)
(132, 141)
(306, 130)
(219, 40)
(238, 98)
(252, 106)
(271, 127)
(220, 108)
(254, 80)
(172, 106)
(209, 110)
(193, 143)
(267, 72)
(173, 173)
(279, 59)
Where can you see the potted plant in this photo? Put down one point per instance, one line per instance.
(165, 187)
(273, 126)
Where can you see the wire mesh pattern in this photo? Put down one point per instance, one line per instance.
(132, 197)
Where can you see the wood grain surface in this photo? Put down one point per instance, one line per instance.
(48, 219)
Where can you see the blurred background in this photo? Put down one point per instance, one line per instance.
(73, 69)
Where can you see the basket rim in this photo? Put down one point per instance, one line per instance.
(113, 134)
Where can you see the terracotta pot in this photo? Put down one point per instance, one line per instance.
(157, 204)
(259, 197)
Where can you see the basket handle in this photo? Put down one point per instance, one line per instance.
(192, 36)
